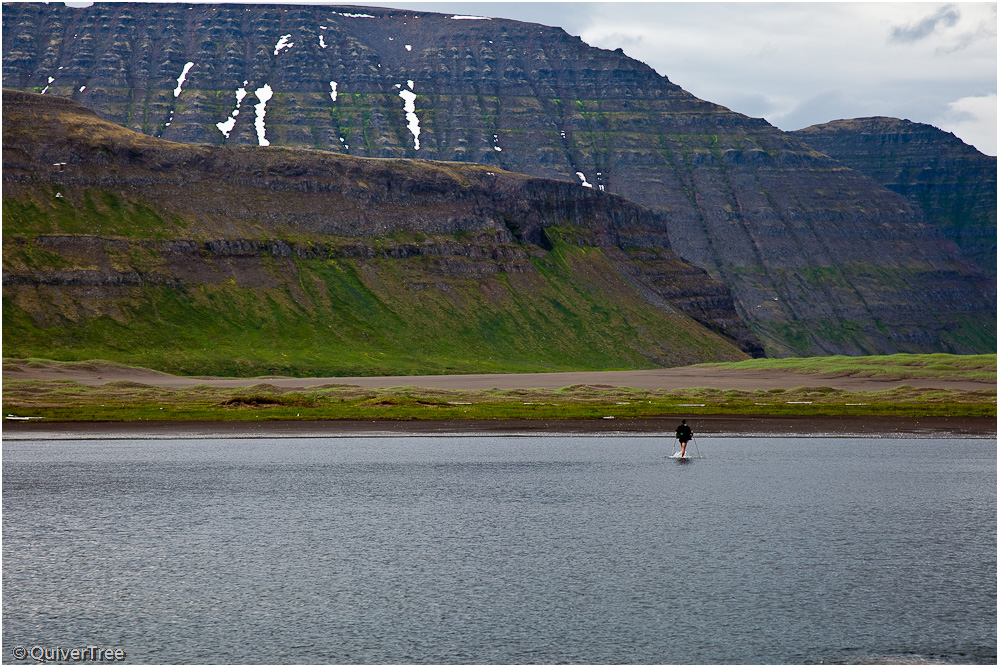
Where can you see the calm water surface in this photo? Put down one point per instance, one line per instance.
(502, 550)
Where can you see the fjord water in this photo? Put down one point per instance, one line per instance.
(502, 550)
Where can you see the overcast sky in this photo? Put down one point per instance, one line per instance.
(797, 64)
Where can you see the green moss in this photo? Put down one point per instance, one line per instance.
(101, 212)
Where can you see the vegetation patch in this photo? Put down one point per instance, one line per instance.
(265, 401)
(903, 366)
(129, 401)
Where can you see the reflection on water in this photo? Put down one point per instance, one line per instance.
(502, 550)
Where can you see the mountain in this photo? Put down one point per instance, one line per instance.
(953, 183)
(819, 258)
(246, 259)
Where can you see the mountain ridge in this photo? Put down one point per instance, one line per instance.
(953, 183)
(115, 241)
(820, 259)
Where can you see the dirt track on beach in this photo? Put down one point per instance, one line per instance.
(647, 379)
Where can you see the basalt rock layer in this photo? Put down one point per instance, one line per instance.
(820, 259)
(243, 259)
(954, 184)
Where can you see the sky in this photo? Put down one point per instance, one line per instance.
(798, 63)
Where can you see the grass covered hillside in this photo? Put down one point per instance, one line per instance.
(249, 261)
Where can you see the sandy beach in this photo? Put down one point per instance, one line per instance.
(666, 379)
(646, 379)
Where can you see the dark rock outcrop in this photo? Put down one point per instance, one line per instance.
(820, 259)
(953, 183)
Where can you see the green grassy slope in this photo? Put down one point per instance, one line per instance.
(567, 310)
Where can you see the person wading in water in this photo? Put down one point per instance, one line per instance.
(684, 435)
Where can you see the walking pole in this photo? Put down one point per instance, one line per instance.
(695, 441)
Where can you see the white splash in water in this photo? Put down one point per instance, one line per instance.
(264, 93)
(182, 78)
(333, 91)
(283, 43)
(412, 122)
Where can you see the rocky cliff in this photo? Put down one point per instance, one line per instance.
(953, 184)
(123, 245)
(820, 259)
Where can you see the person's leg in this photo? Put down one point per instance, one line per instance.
(684, 445)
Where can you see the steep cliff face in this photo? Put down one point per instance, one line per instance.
(953, 184)
(819, 258)
(115, 240)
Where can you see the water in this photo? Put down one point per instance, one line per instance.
(502, 550)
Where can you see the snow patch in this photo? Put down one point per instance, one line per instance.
(356, 16)
(263, 94)
(182, 78)
(226, 126)
(83, 88)
(322, 42)
(471, 18)
(412, 122)
(409, 48)
(583, 180)
(333, 91)
(283, 43)
(496, 143)
(409, 84)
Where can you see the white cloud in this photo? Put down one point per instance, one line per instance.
(973, 119)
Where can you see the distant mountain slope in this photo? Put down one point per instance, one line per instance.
(953, 183)
(242, 260)
(819, 258)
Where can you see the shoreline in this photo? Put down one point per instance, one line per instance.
(705, 426)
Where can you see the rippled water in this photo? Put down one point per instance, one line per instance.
(502, 550)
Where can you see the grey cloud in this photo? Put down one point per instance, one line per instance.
(984, 31)
(826, 106)
(946, 16)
